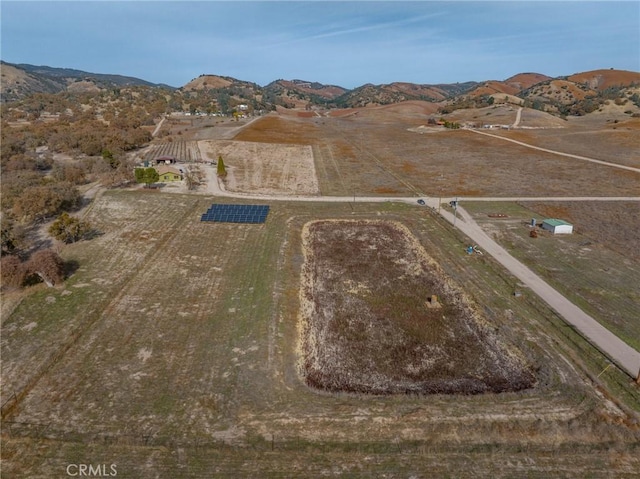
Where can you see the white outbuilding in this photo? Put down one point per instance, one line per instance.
(557, 226)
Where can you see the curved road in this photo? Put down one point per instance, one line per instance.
(626, 357)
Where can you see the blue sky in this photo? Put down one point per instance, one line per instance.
(332, 42)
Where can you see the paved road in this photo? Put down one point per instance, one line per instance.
(617, 350)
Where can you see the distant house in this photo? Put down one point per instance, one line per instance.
(168, 174)
(557, 226)
(166, 160)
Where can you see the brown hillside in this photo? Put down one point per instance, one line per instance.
(12, 76)
(522, 81)
(415, 90)
(325, 91)
(600, 79)
(17, 83)
(492, 87)
(207, 81)
(563, 91)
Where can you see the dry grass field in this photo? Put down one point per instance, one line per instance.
(173, 350)
(376, 154)
(616, 145)
(380, 316)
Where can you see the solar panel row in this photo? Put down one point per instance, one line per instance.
(243, 209)
(236, 213)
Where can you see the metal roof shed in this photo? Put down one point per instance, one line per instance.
(557, 226)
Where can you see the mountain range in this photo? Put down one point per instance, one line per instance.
(564, 95)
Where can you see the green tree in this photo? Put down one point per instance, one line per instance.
(146, 175)
(222, 171)
(107, 155)
(69, 229)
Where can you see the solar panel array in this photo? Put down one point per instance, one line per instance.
(236, 213)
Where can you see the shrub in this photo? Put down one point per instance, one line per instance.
(69, 229)
(46, 265)
(45, 200)
(14, 271)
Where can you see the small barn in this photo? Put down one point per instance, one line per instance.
(165, 160)
(557, 226)
(168, 174)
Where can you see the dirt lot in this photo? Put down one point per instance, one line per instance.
(264, 168)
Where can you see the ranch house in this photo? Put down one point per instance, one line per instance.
(168, 174)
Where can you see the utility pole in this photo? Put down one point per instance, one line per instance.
(455, 211)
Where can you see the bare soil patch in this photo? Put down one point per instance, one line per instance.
(379, 316)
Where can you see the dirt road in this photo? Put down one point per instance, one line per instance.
(158, 126)
(518, 118)
(568, 155)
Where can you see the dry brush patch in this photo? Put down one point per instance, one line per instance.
(367, 325)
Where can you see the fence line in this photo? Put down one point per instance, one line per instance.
(270, 443)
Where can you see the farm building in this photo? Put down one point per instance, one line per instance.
(557, 226)
(166, 160)
(168, 173)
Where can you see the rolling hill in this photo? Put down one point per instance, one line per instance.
(576, 94)
(21, 80)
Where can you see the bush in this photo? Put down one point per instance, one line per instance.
(14, 271)
(46, 265)
(45, 200)
(69, 229)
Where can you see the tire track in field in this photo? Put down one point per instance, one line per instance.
(379, 164)
(337, 169)
(80, 330)
(321, 167)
